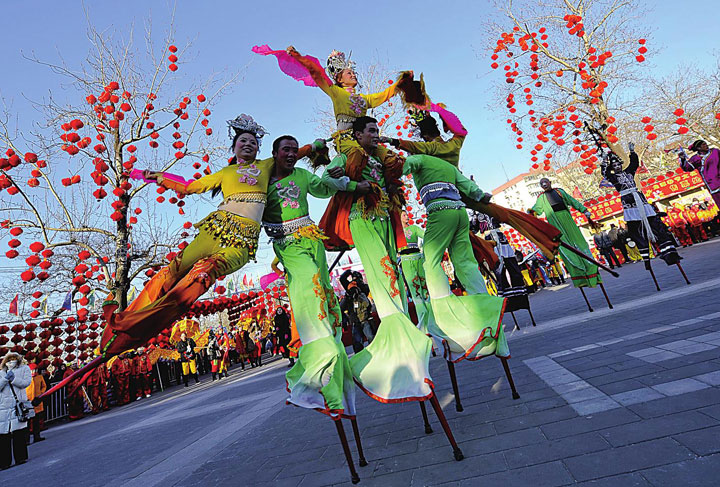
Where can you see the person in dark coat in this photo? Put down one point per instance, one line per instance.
(283, 332)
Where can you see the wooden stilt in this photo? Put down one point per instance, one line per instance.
(532, 318)
(517, 327)
(586, 300)
(456, 391)
(446, 427)
(355, 478)
(505, 365)
(648, 266)
(606, 296)
(682, 271)
(358, 443)
(428, 428)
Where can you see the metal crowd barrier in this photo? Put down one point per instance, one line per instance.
(55, 406)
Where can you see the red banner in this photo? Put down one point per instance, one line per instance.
(654, 189)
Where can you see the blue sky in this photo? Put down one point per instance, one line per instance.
(441, 39)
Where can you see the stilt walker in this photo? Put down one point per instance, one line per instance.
(227, 240)
(321, 378)
(339, 82)
(412, 261)
(394, 367)
(511, 284)
(470, 326)
(644, 225)
(555, 204)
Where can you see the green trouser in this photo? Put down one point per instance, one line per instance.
(582, 272)
(394, 367)
(414, 273)
(321, 378)
(470, 326)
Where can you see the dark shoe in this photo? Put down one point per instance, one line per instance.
(39, 438)
(20, 463)
(186, 384)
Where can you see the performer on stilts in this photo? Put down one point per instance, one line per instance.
(510, 281)
(226, 241)
(470, 326)
(394, 367)
(338, 81)
(321, 378)
(555, 204)
(412, 263)
(644, 225)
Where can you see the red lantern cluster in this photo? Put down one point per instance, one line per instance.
(641, 51)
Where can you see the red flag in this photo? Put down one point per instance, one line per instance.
(349, 260)
(245, 283)
(577, 194)
(14, 306)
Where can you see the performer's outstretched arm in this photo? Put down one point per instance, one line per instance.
(205, 183)
(468, 187)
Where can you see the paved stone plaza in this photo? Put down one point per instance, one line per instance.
(623, 397)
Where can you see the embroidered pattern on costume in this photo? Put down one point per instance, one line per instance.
(289, 194)
(357, 104)
(389, 270)
(420, 287)
(320, 293)
(249, 174)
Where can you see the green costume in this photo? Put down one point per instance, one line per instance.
(394, 367)
(471, 325)
(555, 205)
(321, 378)
(412, 261)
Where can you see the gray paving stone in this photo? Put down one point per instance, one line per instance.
(643, 352)
(612, 341)
(561, 353)
(699, 472)
(592, 406)
(661, 329)
(660, 357)
(627, 459)
(712, 378)
(689, 322)
(501, 442)
(703, 442)
(622, 386)
(555, 450)
(681, 386)
(584, 424)
(534, 419)
(711, 316)
(639, 334)
(676, 404)
(595, 372)
(544, 475)
(449, 471)
(656, 428)
(583, 395)
(571, 386)
(636, 396)
(623, 480)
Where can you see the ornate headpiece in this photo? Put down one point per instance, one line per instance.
(246, 123)
(336, 62)
(419, 118)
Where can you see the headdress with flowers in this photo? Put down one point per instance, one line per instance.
(246, 123)
(336, 62)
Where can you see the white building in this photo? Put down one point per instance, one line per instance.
(521, 192)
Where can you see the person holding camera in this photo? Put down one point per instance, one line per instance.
(358, 308)
(15, 410)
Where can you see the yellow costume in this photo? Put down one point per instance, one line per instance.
(347, 106)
